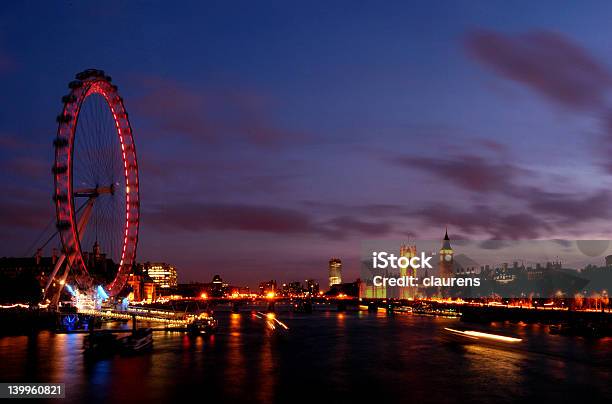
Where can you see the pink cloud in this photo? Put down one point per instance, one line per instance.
(546, 62)
(211, 116)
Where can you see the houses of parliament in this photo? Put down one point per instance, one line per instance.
(445, 265)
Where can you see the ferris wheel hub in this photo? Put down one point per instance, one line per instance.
(94, 192)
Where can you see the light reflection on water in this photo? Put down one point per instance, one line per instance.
(235, 371)
(326, 356)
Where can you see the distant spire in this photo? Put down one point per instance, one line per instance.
(446, 245)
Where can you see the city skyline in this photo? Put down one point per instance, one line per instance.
(266, 149)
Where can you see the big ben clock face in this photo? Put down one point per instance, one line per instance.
(448, 257)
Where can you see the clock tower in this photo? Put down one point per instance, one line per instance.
(446, 258)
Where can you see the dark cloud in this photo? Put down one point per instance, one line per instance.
(467, 171)
(372, 210)
(493, 146)
(493, 244)
(27, 168)
(482, 219)
(571, 209)
(546, 62)
(25, 213)
(196, 217)
(210, 116)
(459, 239)
(556, 68)
(213, 176)
(346, 224)
(519, 203)
(533, 212)
(603, 149)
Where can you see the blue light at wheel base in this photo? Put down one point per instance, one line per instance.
(102, 293)
(71, 290)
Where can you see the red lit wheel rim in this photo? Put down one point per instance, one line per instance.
(96, 183)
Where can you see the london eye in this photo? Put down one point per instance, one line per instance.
(96, 189)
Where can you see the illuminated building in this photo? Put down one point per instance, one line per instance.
(164, 275)
(445, 268)
(408, 251)
(217, 288)
(367, 289)
(312, 287)
(293, 289)
(149, 291)
(350, 289)
(335, 271)
(266, 288)
(143, 288)
(237, 291)
(135, 283)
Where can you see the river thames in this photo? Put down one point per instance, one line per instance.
(323, 357)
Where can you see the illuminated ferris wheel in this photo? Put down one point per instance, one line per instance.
(96, 194)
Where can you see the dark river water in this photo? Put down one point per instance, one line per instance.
(323, 357)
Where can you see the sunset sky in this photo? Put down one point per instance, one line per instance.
(274, 135)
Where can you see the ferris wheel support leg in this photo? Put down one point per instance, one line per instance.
(58, 265)
(82, 224)
(56, 296)
(54, 301)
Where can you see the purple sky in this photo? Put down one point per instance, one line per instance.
(272, 137)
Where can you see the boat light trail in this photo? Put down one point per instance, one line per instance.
(479, 334)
